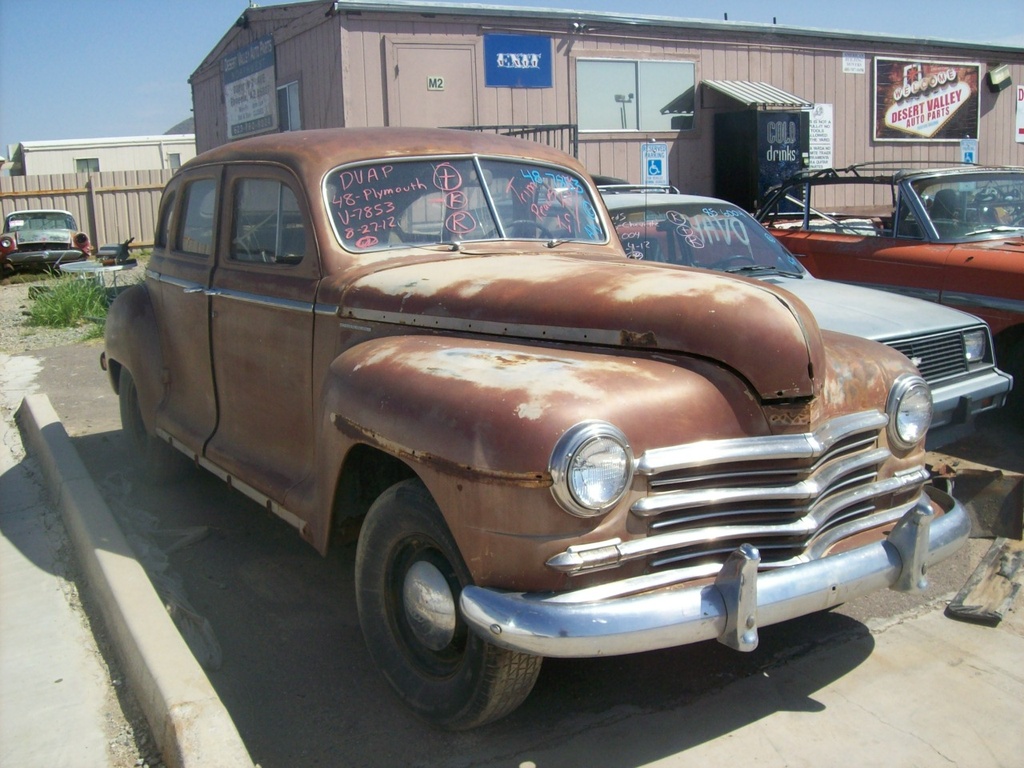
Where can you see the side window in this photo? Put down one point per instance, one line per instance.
(195, 234)
(267, 226)
(906, 222)
(164, 224)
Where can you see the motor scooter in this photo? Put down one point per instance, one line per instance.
(116, 253)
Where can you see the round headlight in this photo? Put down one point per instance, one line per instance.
(591, 467)
(910, 411)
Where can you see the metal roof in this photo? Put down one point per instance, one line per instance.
(760, 95)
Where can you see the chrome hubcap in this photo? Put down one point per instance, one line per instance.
(429, 605)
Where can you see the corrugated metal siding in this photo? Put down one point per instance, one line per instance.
(809, 67)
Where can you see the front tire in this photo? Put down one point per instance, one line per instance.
(409, 575)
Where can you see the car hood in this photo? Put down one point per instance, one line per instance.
(766, 336)
(55, 236)
(869, 313)
(1008, 242)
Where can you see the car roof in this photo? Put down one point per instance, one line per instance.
(312, 153)
(23, 211)
(656, 196)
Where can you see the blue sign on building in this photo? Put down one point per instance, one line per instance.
(517, 61)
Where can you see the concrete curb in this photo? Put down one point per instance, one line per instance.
(189, 723)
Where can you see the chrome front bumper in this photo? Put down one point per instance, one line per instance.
(729, 610)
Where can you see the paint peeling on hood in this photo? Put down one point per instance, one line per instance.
(768, 337)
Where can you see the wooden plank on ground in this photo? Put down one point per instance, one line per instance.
(990, 591)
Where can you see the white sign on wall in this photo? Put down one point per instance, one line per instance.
(1020, 114)
(822, 134)
(654, 162)
(854, 63)
(250, 92)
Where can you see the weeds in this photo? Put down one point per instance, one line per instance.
(69, 302)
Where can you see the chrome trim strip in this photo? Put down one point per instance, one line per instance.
(176, 281)
(559, 626)
(460, 325)
(325, 309)
(803, 446)
(807, 489)
(247, 490)
(574, 561)
(983, 302)
(260, 300)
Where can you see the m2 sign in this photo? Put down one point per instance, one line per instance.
(517, 61)
(926, 100)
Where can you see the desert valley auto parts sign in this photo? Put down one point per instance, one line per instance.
(926, 100)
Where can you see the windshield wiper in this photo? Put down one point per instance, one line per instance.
(1000, 228)
(761, 268)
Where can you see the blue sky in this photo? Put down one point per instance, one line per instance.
(92, 68)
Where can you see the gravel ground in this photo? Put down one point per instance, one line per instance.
(129, 740)
(17, 337)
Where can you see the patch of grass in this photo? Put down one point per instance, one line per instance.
(20, 278)
(68, 302)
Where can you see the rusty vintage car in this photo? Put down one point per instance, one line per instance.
(41, 238)
(953, 235)
(552, 450)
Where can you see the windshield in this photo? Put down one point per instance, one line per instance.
(709, 235)
(397, 204)
(39, 220)
(962, 206)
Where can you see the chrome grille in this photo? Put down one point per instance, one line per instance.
(791, 496)
(937, 356)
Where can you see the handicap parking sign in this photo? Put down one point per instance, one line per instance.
(654, 161)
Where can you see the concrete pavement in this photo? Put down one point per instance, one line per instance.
(45, 721)
(922, 690)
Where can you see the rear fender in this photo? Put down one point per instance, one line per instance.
(132, 341)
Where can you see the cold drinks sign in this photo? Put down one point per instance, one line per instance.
(925, 100)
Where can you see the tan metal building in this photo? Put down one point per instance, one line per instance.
(698, 104)
(127, 153)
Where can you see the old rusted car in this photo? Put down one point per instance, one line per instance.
(41, 238)
(952, 235)
(552, 450)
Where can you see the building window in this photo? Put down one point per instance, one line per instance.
(87, 165)
(174, 160)
(288, 107)
(624, 95)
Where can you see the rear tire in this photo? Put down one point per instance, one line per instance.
(154, 458)
(409, 575)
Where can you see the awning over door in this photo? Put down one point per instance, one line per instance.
(758, 95)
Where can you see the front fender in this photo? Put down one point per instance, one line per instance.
(132, 341)
(477, 421)
(497, 409)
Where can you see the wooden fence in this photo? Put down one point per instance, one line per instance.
(109, 206)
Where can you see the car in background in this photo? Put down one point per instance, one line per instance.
(949, 235)
(953, 350)
(41, 238)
